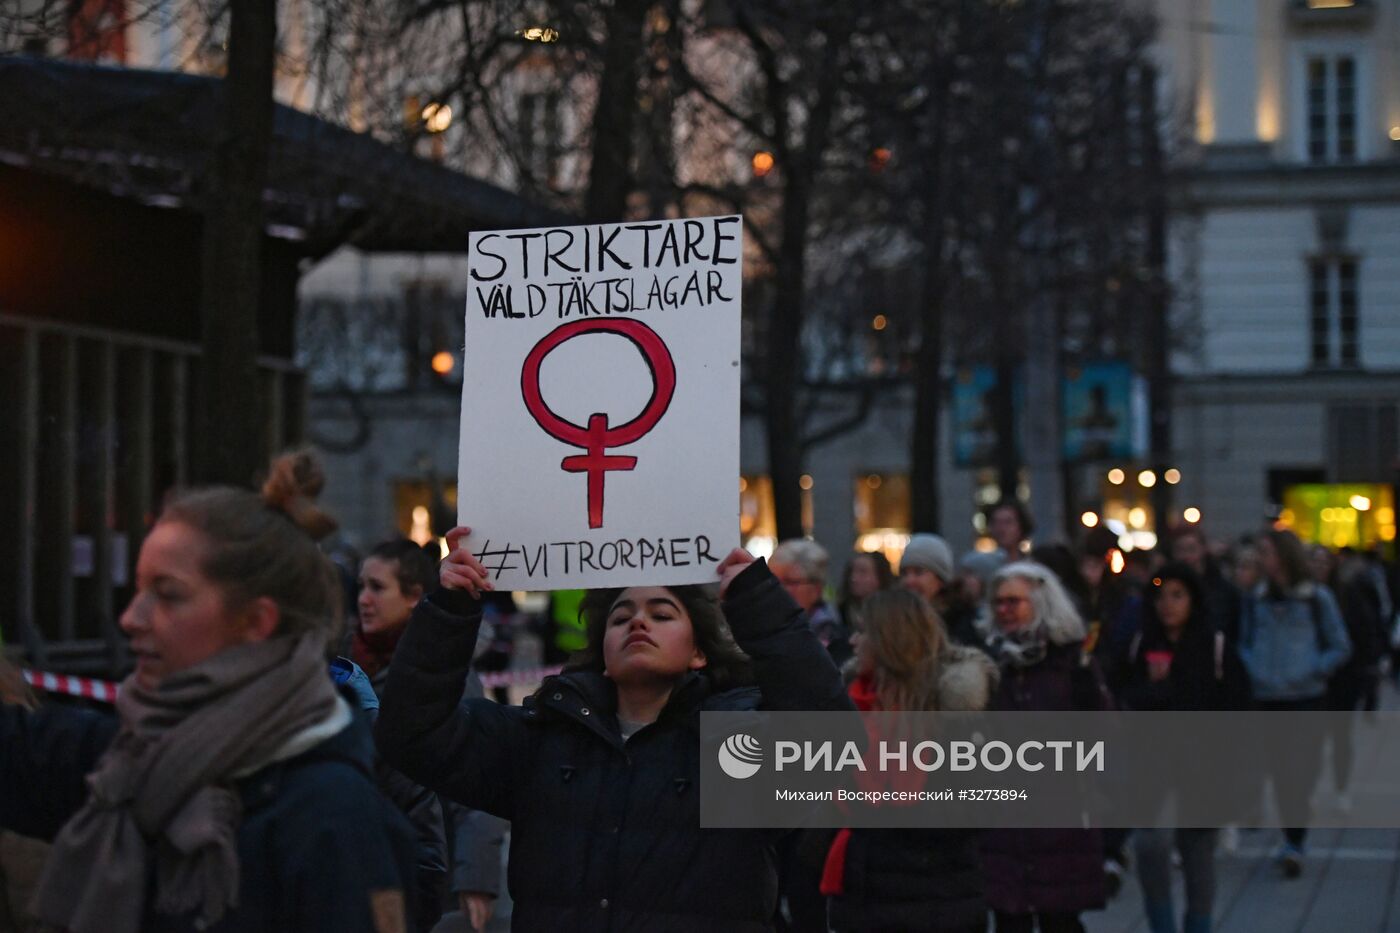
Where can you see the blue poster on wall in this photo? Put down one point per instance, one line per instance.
(974, 414)
(1098, 412)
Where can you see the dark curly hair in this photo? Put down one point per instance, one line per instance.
(726, 665)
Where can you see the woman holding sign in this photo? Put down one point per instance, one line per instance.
(598, 772)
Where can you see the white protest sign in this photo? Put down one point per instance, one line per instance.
(600, 403)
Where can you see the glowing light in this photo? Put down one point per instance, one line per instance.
(1360, 503)
(1191, 515)
(1116, 476)
(442, 549)
(1287, 517)
(806, 481)
(1395, 133)
(443, 362)
(1330, 4)
(879, 158)
(538, 34)
(984, 546)
(1116, 563)
(743, 484)
(437, 117)
(420, 533)
(1089, 519)
(1137, 517)
(874, 481)
(1147, 479)
(1172, 476)
(880, 322)
(762, 163)
(1385, 516)
(760, 546)
(1329, 515)
(1144, 540)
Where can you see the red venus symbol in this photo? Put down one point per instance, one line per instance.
(598, 437)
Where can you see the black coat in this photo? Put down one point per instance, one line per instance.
(1206, 673)
(605, 835)
(316, 845)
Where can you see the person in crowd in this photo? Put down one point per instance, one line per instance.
(1009, 524)
(867, 573)
(598, 772)
(801, 566)
(926, 569)
(1248, 571)
(563, 626)
(1179, 662)
(910, 879)
(1190, 546)
(1292, 640)
(1064, 563)
(393, 579)
(1355, 684)
(233, 790)
(1041, 877)
(21, 858)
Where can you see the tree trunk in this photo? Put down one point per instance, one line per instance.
(928, 368)
(784, 376)
(231, 436)
(614, 119)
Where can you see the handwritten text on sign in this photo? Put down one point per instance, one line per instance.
(600, 402)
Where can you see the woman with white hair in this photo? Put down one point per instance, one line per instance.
(1045, 877)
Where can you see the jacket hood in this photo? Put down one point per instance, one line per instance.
(966, 680)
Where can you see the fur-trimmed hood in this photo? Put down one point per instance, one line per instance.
(967, 678)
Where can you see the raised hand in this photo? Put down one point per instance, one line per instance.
(460, 570)
(733, 564)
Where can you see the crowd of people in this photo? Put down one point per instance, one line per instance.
(271, 767)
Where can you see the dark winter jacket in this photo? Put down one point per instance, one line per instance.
(318, 847)
(605, 834)
(1205, 674)
(918, 879)
(1047, 870)
(420, 805)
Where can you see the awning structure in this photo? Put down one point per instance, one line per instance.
(146, 135)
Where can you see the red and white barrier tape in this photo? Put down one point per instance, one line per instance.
(106, 691)
(527, 675)
(103, 690)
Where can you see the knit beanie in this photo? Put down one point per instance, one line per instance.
(930, 552)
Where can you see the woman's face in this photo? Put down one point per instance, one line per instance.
(649, 637)
(1011, 604)
(1320, 563)
(178, 616)
(864, 578)
(382, 604)
(1173, 602)
(922, 581)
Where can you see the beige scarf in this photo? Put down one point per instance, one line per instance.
(162, 794)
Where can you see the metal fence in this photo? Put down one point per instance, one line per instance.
(95, 429)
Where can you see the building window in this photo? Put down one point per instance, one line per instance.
(882, 512)
(1334, 312)
(1331, 102)
(540, 136)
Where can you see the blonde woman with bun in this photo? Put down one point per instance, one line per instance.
(233, 790)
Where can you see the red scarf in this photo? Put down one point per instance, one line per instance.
(862, 691)
(372, 651)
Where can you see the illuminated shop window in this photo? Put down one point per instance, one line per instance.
(882, 513)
